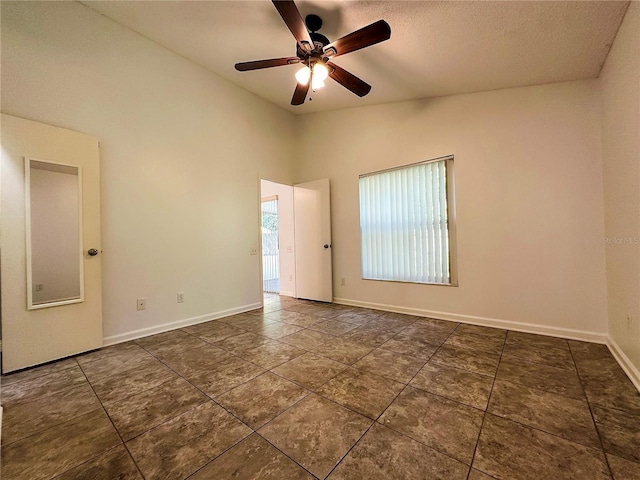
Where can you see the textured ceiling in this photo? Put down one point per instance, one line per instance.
(436, 48)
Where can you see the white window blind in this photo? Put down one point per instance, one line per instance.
(404, 224)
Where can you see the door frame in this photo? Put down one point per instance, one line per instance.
(295, 258)
(260, 197)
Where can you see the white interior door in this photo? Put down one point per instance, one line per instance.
(47, 312)
(312, 212)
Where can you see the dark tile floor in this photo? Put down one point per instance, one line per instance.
(303, 390)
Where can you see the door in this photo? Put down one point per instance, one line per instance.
(312, 214)
(51, 285)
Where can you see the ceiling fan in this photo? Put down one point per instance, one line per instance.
(314, 51)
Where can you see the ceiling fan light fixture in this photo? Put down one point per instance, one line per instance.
(320, 72)
(316, 84)
(303, 75)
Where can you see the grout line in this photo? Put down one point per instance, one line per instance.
(275, 446)
(58, 475)
(220, 454)
(309, 392)
(9, 375)
(377, 419)
(430, 447)
(113, 424)
(60, 422)
(349, 450)
(209, 399)
(213, 399)
(539, 429)
(405, 388)
(285, 454)
(484, 416)
(593, 418)
(312, 392)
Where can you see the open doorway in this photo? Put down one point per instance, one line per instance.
(303, 221)
(278, 261)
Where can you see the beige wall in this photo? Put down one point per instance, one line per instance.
(285, 233)
(620, 83)
(183, 151)
(528, 181)
(182, 154)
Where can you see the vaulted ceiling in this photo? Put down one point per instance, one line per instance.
(436, 48)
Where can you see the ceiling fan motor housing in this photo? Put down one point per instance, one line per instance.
(313, 22)
(319, 42)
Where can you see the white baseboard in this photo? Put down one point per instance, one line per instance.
(568, 333)
(165, 327)
(286, 294)
(629, 368)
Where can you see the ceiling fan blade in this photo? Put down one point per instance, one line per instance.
(300, 93)
(370, 35)
(348, 80)
(272, 62)
(291, 16)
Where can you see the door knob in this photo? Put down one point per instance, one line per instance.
(326, 245)
(92, 252)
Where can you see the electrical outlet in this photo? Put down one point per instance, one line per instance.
(253, 251)
(628, 322)
(142, 303)
(343, 281)
(39, 287)
(180, 297)
(289, 249)
(291, 278)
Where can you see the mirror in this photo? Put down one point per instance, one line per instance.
(54, 234)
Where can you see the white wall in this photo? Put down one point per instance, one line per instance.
(285, 233)
(529, 202)
(55, 235)
(182, 154)
(620, 83)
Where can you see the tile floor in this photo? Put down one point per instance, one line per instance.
(302, 390)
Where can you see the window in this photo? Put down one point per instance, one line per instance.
(406, 223)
